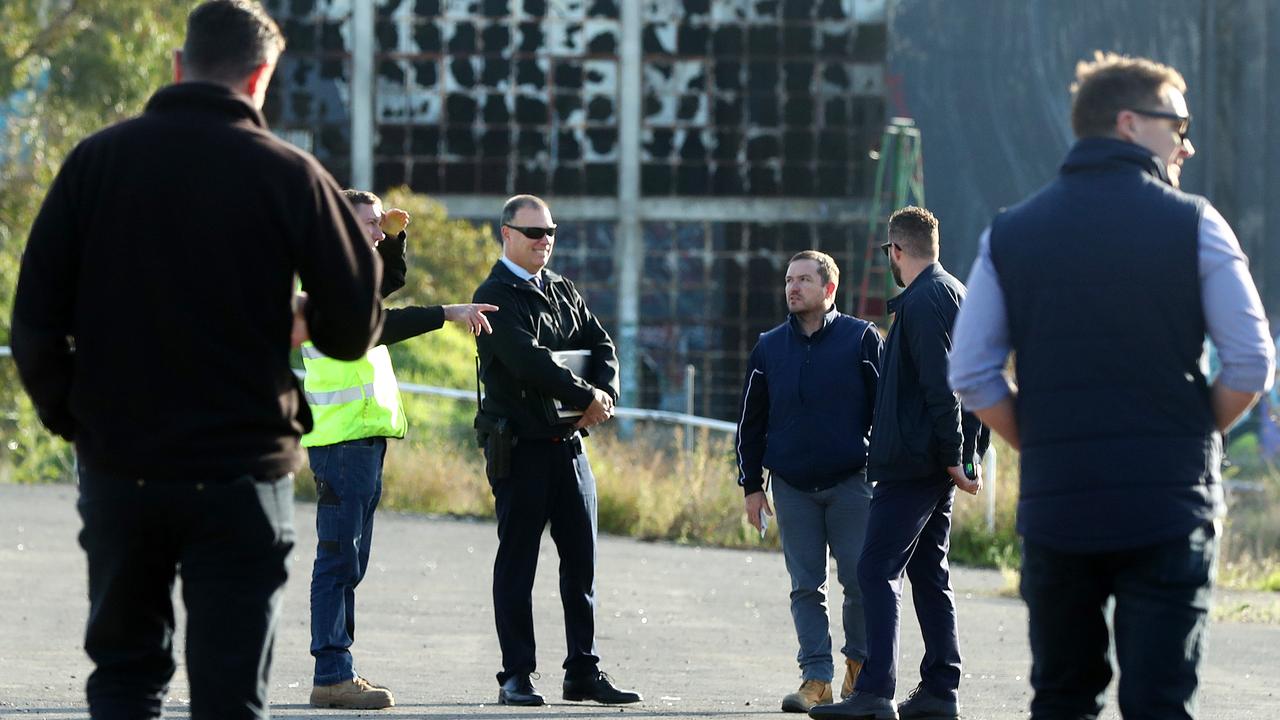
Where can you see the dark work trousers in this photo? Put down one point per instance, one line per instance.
(230, 541)
(909, 530)
(549, 482)
(1161, 600)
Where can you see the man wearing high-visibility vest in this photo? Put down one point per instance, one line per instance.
(356, 406)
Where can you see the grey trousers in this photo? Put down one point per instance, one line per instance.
(809, 524)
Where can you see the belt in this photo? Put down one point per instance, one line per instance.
(567, 437)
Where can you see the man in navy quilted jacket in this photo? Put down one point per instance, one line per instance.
(806, 415)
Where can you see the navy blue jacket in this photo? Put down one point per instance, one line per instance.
(1101, 278)
(920, 428)
(807, 403)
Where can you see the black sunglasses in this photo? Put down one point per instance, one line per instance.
(1184, 121)
(884, 247)
(533, 233)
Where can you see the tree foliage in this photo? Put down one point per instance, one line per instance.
(67, 68)
(448, 259)
(71, 67)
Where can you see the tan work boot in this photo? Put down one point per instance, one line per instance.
(357, 694)
(811, 692)
(851, 670)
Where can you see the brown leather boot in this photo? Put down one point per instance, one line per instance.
(851, 670)
(357, 694)
(811, 692)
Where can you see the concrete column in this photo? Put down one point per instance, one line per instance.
(362, 52)
(628, 258)
(1268, 275)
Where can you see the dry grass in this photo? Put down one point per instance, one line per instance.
(437, 476)
(648, 485)
(651, 486)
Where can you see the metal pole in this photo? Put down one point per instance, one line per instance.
(690, 375)
(628, 259)
(1209, 79)
(362, 50)
(990, 482)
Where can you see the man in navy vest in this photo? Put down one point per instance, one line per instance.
(1104, 284)
(806, 415)
(923, 446)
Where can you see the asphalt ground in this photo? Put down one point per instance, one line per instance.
(702, 633)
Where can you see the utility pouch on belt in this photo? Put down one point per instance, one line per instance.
(494, 434)
(497, 436)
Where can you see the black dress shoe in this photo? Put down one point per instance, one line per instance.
(597, 686)
(519, 690)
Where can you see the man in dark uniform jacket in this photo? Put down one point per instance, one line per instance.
(151, 326)
(536, 461)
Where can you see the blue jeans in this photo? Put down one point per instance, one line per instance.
(230, 541)
(348, 487)
(909, 532)
(809, 523)
(1154, 600)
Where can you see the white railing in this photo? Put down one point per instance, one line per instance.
(663, 416)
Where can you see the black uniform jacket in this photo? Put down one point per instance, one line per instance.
(520, 376)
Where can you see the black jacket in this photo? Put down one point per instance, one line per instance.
(919, 428)
(405, 322)
(520, 377)
(152, 317)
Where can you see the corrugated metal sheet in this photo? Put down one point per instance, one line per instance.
(987, 82)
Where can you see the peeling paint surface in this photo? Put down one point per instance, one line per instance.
(741, 98)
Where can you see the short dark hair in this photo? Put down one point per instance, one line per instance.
(1112, 82)
(362, 197)
(915, 230)
(515, 202)
(827, 268)
(513, 205)
(227, 39)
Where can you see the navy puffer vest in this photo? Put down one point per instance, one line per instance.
(1100, 276)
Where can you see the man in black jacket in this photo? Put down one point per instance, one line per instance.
(151, 327)
(923, 446)
(536, 462)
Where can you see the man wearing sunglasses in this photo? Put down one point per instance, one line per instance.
(533, 417)
(923, 446)
(1104, 284)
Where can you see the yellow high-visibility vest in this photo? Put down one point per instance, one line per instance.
(351, 400)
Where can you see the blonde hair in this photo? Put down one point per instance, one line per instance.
(1112, 82)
